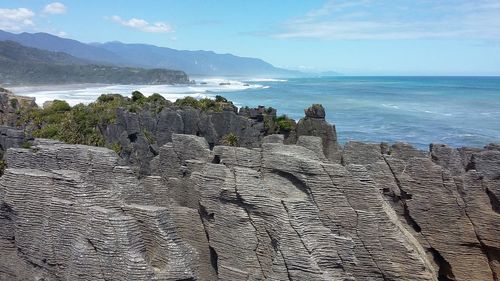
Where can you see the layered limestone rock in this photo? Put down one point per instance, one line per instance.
(314, 124)
(73, 213)
(273, 212)
(179, 206)
(12, 138)
(11, 105)
(140, 135)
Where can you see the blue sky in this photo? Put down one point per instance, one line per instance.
(427, 37)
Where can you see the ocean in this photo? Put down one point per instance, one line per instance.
(458, 111)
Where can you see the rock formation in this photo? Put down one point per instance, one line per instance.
(266, 211)
(276, 212)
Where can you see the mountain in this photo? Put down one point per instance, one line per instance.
(193, 62)
(148, 56)
(25, 65)
(54, 43)
(12, 51)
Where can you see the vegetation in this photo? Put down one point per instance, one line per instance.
(26, 145)
(13, 103)
(116, 147)
(285, 124)
(80, 124)
(317, 106)
(3, 166)
(83, 124)
(149, 136)
(220, 99)
(205, 104)
(230, 139)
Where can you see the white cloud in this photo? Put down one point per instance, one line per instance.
(16, 19)
(143, 25)
(55, 8)
(372, 20)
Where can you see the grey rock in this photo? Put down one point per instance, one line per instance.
(272, 212)
(12, 138)
(361, 153)
(315, 126)
(275, 138)
(312, 143)
(447, 157)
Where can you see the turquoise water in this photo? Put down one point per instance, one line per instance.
(459, 111)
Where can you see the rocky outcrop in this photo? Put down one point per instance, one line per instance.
(140, 135)
(280, 207)
(272, 212)
(314, 124)
(12, 138)
(11, 105)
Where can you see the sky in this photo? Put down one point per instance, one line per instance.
(357, 37)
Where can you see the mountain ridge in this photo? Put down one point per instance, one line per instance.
(200, 62)
(26, 65)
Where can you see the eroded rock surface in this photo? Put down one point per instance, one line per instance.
(273, 212)
(178, 206)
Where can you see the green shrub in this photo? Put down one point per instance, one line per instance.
(187, 101)
(49, 131)
(317, 106)
(13, 103)
(285, 124)
(116, 147)
(205, 104)
(157, 99)
(149, 136)
(138, 97)
(26, 145)
(230, 139)
(58, 106)
(220, 99)
(3, 166)
(107, 98)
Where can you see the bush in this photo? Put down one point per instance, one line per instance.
(285, 124)
(187, 101)
(13, 103)
(149, 136)
(157, 99)
(26, 145)
(220, 99)
(230, 139)
(116, 147)
(3, 166)
(138, 97)
(58, 106)
(107, 98)
(205, 104)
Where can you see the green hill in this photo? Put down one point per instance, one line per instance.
(25, 65)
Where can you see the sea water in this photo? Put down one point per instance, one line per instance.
(458, 111)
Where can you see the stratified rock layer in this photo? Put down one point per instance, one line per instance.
(274, 212)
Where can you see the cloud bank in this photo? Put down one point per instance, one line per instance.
(55, 8)
(143, 25)
(387, 20)
(16, 19)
